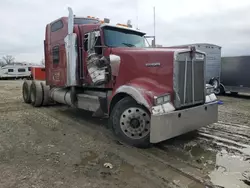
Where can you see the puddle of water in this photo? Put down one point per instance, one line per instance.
(229, 170)
(224, 169)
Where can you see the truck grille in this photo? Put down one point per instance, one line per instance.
(189, 81)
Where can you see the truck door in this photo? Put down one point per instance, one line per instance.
(96, 67)
(57, 60)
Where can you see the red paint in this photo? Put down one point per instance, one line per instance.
(38, 73)
(56, 38)
(149, 81)
(56, 72)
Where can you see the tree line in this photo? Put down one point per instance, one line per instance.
(9, 59)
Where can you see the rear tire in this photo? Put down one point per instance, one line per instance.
(36, 94)
(46, 97)
(131, 123)
(26, 91)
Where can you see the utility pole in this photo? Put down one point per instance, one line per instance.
(137, 14)
(154, 27)
(154, 42)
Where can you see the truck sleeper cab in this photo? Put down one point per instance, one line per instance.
(149, 95)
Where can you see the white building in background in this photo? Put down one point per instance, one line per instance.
(14, 71)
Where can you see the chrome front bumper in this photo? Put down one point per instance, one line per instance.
(171, 124)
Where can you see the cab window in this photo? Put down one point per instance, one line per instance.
(56, 26)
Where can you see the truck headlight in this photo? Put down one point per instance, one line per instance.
(210, 90)
(162, 99)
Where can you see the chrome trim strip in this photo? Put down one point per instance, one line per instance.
(185, 82)
(192, 63)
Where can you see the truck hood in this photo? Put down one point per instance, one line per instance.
(146, 56)
(150, 67)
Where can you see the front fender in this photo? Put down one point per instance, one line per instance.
(136, 94)
(143, 91)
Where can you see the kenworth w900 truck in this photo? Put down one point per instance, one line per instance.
(148, 94)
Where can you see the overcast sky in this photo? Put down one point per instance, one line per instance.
(222, 22)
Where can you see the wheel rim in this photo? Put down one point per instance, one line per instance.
(135, 123)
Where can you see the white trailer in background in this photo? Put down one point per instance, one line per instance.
(15, 71)
(213, 62)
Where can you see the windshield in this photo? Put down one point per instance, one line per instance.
(118, 37)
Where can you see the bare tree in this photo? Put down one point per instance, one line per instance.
(8, 59)
(43, 62)
(1, 63)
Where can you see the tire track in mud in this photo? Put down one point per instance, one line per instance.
(227, 134)
(14, 106)
(231, 136)
(235, 138)
(181, 167)
(235, 117)
(186, 173)
(243, 130)
(232, 142)
(222, 135)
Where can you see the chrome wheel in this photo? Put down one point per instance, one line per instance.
(135, 123)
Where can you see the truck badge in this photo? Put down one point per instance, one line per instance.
(153, 64)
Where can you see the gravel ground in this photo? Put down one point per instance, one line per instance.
(58, 146)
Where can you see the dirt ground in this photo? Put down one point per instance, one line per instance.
(58, 146)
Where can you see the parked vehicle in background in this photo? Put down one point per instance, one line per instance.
(149, 95)
(15, 71)
(213, 62)
(235, 74)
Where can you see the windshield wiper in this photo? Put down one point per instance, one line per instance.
(129, 45)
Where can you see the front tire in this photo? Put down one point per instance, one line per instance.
(131, 123)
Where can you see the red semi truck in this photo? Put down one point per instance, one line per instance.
(148, 94)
